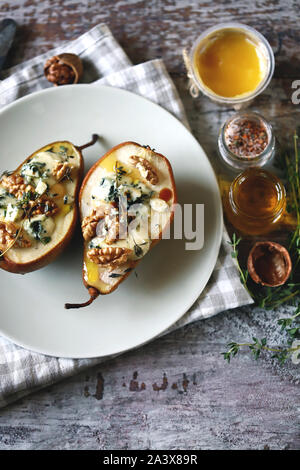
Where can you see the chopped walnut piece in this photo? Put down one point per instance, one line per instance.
(110, 256)
(113, 231)
(43, 205)
(61, 170)
(89, 223)
(15, 185)
(8, 233)
(145, 168)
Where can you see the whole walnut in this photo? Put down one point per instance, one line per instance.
(63, 69)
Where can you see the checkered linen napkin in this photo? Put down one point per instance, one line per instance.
(22, 371)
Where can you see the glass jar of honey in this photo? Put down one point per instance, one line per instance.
(231, 63)
(255, 202)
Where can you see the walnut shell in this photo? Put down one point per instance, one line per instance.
(63, 69)
(269, 264)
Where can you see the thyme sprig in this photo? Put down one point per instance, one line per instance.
(272, 297)
(257, 346)
(288, 325)
(269, 298)
(119, 172)
(234, 253)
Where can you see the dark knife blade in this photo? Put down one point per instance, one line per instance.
(7, 33)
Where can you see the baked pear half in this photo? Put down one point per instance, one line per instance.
(38, 207)
(126, 203)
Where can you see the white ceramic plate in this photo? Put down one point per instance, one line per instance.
(168, 280)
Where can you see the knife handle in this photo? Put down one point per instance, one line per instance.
(7, 33)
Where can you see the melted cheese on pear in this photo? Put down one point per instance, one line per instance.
(139, 230)
(56, 227)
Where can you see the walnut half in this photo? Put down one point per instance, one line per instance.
(8, 233)
(61, 170)
(15, 185)
(43, 205)
(145, 168)
(111, 256)
(89, 223)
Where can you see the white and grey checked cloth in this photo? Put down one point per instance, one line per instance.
(22, 371)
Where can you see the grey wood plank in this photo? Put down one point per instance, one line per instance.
(176, 392)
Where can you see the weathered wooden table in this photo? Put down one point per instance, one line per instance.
(176, 392)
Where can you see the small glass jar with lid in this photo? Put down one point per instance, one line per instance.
(246, 140)
(255, 202)
(230, 63)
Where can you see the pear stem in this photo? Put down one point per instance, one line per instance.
(94, 139)
(94, 293)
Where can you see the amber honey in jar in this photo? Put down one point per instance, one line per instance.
(231, 63)
(255, 202)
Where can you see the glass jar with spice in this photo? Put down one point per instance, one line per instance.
(255, 202)
(246, 140)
